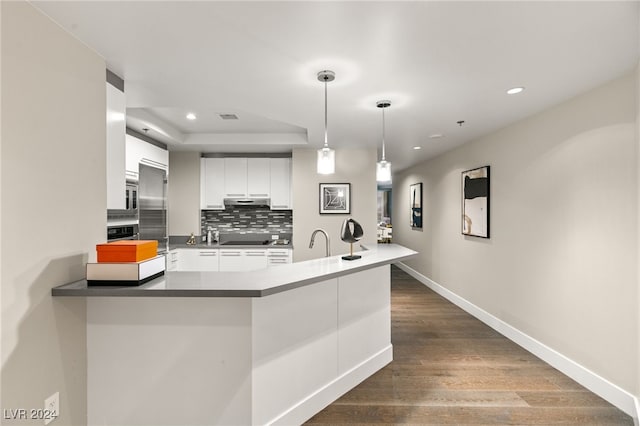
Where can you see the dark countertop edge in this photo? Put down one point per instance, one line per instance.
(132, 292)
(140, 292)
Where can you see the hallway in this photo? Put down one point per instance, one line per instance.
(450, 368)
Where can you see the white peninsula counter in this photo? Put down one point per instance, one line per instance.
(219, 348)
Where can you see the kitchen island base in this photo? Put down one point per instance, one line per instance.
(277, 359)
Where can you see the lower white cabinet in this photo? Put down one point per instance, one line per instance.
(231, 260)
(197, 260)
(242, 259)
(279, 256)
(254, 259)
(228, 259)
(173, 257)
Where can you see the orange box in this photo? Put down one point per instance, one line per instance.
(127, 251)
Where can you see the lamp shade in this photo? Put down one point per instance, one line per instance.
(326, 161)
(383, 171)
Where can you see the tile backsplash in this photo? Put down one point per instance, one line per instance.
(249, 220)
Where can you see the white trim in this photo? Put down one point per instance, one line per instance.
(598, 385)
(317, 401)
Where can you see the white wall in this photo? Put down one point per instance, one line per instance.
(355, 166)
(561, 262)
(184, 193)
(53, 196)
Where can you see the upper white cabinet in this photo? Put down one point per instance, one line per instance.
(115, 148)
(212, 178)
(139, 151)
(235, 177)
(231, 177)
(280, 185)
(258, 177)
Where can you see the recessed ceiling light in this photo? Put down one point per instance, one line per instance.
(191, 116)
(417, 147)
(515, 90)
(436, 136)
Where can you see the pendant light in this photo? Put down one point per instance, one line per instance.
(326, 155)
(383, 167)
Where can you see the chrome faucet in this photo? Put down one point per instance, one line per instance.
(313, 237)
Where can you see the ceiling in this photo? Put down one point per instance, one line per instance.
(437, 62)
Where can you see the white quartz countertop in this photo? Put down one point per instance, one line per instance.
(260, 283)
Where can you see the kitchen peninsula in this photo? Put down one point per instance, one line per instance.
(273, 346)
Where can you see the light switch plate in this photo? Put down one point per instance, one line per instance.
(51, 408)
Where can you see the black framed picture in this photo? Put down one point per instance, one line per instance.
(335, 198)
(415, 197)
(475, 202)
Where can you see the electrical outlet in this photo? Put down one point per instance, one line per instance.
(51, 408)
(275, 237)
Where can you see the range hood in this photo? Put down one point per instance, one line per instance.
(248, 202)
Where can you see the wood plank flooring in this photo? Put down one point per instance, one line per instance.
(451, 369)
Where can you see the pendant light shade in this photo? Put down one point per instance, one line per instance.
(383, 167)
(326, 156)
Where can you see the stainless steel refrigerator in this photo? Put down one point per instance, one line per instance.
(152, 205)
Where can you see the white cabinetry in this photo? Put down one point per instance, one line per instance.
(254, 259)
(198, 260)
(279, 256)
(280, 185)
(212, 180)
(139, 151)
(115, 148)
(173, 260)
(231, 259)
(245, 177)
(243, 259)
(235, 177)
(258, 177)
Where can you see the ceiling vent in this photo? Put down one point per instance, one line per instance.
(228, 116)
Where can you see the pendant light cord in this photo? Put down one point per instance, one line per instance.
(326, 144)
(383, 128)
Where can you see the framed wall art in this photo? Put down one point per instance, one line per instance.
(475, 202)
(335, 198)
(415, 197)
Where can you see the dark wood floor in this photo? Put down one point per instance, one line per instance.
(451, 369)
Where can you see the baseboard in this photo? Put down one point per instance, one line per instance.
(596, 384)
(324, 396)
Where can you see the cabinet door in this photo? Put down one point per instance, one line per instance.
(254, 259)
(279, 256)
(231, 260)
(198, 260)
(155, 156)
(235, 177)
(139, 151)
(173, 260)
(258, 177)
(207, 260)
(280, 170)
(115, 148)
(212, 183)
